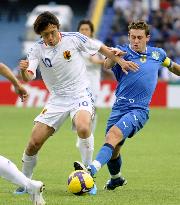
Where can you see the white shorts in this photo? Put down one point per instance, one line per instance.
(59, 108)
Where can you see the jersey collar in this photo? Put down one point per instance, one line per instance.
(138, 53)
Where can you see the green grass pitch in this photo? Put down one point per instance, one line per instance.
(151, 160)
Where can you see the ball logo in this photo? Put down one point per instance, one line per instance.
(80, 182)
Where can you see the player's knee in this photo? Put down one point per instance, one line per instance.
(33, 147)
(83, 130)
(114, 136)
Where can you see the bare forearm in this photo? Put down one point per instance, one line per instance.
(108, 63)
(106, 52)
(26, 75)
(175, 68)
(7, 73)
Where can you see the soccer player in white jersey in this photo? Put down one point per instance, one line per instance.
(64, 72)
(8, 169)
(93, 63)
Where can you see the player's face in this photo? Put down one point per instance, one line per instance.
(85, 30)
(50, 35)
(138, 40)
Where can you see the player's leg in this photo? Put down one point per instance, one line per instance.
(127, 126)
(82, 115)
(94, 123)
(82, 122)
(104, 154)
(46, 123)
(10, 172)
(82, 119)
(40, 133)
(113, 138)
(114, 167)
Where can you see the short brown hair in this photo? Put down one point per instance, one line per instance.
(142, 25)
(43, 20)
(88, 22)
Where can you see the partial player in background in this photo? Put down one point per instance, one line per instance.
(134, 91)
(19, 89)
(93, 65)
(58, 55)
(8, 169)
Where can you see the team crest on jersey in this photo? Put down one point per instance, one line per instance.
(67, 55)
(143, 58)
(155, 55)
(43, 111)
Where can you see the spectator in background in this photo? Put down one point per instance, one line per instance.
(164, 19)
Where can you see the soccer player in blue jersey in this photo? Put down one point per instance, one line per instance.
(134, 91)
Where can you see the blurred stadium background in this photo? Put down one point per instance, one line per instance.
(151, 158)
(110, 18)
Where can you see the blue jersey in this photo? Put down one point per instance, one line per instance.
(135, 89)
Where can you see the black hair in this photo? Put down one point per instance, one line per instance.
(86, 21)
(43, 20)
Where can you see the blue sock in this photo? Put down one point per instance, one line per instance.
(103, 156)
(114, 165)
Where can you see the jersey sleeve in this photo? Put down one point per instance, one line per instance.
(117, 71)
(166, 62)
(33, 57)
(86, 44)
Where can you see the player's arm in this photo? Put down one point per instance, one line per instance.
(172, 66)
(19, 89)
(175, 68)
(26, 75)
(114, 56)
(96, 60)
(7, 73)
(108, 63)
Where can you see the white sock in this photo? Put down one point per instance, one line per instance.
(29, 162)
(116, 176)
(10, 172)
(94, 122)
(86, 148)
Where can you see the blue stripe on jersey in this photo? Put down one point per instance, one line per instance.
(77, 34)
(41, 41)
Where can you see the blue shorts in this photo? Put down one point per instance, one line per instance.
(129, 122)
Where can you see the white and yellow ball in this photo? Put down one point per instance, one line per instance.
(80, 182)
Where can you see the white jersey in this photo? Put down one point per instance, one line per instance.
(93, 71)
(62, 68)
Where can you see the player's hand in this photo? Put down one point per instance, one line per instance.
(128, 65)
(117, 51)
(23, 65)
(21, 91)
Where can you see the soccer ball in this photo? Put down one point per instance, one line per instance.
(80, 182)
